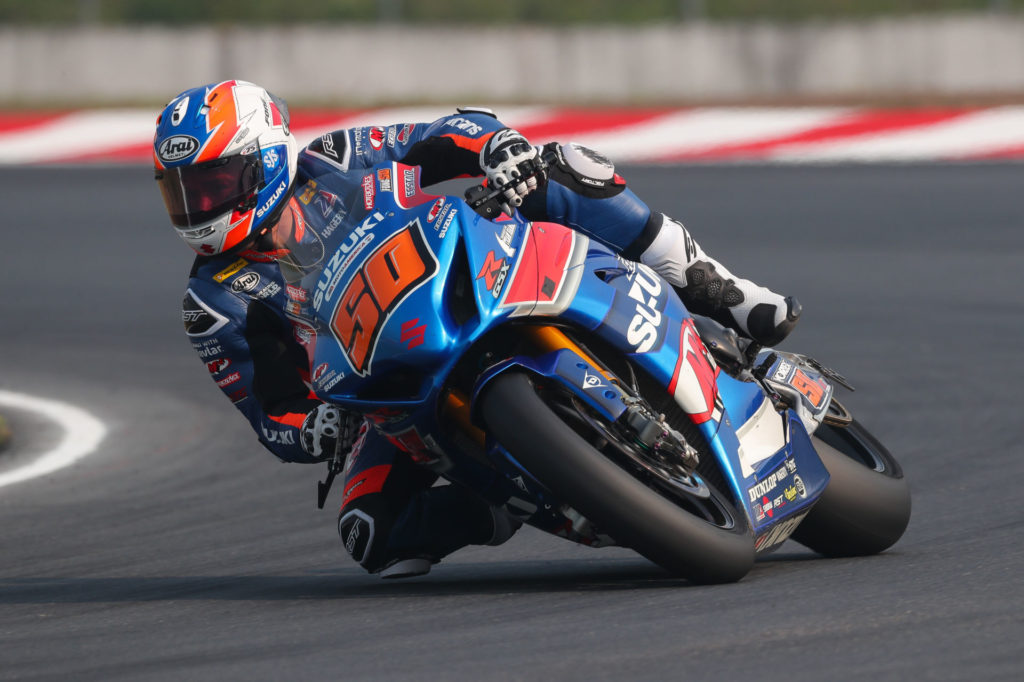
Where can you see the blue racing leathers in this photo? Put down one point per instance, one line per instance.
(244, 314)
(238, 309)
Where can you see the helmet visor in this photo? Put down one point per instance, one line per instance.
(197, 194)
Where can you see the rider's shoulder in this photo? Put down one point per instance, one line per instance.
(331, 148)
(230, 282)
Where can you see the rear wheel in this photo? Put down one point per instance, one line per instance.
(670, 516)
(866, 506)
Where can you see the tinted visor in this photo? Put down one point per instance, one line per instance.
(197, 194)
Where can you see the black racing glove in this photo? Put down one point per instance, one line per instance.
(508, 157)
(329, 431)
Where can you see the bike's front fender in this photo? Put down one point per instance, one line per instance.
(568, 369)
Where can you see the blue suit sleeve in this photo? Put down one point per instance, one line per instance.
(216, 322)
(447, 148)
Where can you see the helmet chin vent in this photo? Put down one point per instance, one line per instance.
(199, 233)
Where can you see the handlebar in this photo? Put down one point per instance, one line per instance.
(489, 201)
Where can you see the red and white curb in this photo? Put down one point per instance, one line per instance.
(656, 135)
(82, 434)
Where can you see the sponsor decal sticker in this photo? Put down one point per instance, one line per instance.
(331, 380)
(308, 192)
(645, 330)
(272, 289)
(769, 483)
(246, 282)
(778, 534)
(435, 210)
(328, 142)
(199, 318)
(318, 373)
(447, 221)
(359, 237)
(229, 379)
(230, 270)
(376, 138)
(208, 349)
(217, 366)
(368, 192)
(384, 178)
(465, 126)
(273, 197)
(782, 373)
(278, 437)
(178, 147)
(591, 380)
(409, 182)
(494, 272)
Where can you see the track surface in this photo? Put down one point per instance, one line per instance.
(182, 551)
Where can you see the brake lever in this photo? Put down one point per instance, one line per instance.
(334, 467)
(488, 201)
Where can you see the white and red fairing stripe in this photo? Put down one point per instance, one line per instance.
(548, 271)
(694, 382)
(658, 135)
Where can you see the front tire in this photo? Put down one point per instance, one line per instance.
(610, 496)
(866, 506)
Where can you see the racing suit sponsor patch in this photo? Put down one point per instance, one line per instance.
(199, 318)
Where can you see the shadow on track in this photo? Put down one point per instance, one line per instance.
(346, 583)
(515, 577)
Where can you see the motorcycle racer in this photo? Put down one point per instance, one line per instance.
(241, 194)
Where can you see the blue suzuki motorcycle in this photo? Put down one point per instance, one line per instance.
(538, 368)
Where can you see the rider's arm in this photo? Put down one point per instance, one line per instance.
(255, 361)
(445, 149)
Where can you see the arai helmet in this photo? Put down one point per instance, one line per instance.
(225, 161)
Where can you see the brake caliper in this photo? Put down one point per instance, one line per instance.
(651, 431)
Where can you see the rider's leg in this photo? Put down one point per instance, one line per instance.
(393, 522)
(584, 192)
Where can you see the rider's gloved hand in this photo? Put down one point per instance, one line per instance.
(508, 157)
(329, 430)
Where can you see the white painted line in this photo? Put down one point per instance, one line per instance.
(82, 435)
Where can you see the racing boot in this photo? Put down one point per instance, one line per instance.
(707, 288)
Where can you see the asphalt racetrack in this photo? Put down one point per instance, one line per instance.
(181, 550)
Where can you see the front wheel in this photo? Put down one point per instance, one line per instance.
(703, 537)
(866, 506)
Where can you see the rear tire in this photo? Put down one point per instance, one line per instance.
(610, 496)
(866, 506)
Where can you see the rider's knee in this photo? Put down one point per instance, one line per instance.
(584, 192)
(583, 170)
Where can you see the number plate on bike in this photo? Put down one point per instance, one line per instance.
(814, 391)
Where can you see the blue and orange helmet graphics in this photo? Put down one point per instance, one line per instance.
(225, 161)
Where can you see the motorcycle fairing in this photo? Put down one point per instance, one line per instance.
(671, 351)
(521, 269)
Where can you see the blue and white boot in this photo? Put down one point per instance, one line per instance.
(707, 288)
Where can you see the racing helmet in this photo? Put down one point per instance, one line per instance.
(225, 161)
